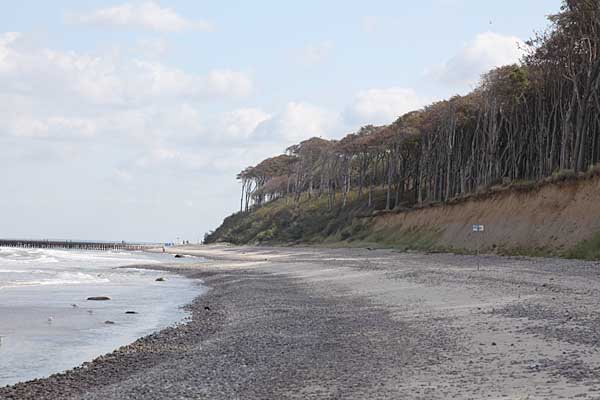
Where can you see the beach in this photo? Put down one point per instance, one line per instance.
(314, 323)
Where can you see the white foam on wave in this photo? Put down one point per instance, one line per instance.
(44, 267)
(25, 256)
(105, 257)
(61, 278)
(22, 271)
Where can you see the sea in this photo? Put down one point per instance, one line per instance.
(47, 325)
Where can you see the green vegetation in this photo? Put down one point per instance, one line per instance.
(285, 222)
(528, 252)
(414, 239)
(585, 250)
(310, 221)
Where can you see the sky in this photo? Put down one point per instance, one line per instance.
(130, 120)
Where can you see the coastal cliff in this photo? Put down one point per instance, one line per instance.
(559, 218)
(519, 154)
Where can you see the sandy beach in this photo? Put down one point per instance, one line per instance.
(360, 324)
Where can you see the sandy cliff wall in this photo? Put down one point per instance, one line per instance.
(554, 217)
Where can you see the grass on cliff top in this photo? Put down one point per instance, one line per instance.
(585, 250)
(588, 250)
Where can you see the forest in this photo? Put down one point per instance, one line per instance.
(524, 122)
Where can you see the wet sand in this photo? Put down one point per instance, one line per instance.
(350, 323)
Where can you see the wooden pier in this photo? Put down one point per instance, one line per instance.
(69, 244)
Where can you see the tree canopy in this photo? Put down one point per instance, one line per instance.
(523, 122)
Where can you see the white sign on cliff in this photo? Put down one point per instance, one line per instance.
(478, 228)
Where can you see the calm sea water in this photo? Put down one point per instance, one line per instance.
(48, 326)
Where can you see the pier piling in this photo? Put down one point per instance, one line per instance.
(69, 244)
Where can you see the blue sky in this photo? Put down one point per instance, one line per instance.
(129, 120)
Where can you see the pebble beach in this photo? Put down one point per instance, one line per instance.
(312, 323)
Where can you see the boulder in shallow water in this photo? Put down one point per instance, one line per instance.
(109, 322)
(130, 312)
(178, 256)
(98, 298)
(160, 279)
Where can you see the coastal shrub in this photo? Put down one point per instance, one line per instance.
(562, 175)
(358, 230)
(265, 236)
(586, 250)
(594, 171)
(345, 234)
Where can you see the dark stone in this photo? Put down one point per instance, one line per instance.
(109, 322)
(178, 256)
(130, 312)
(207, 308)
(99, 298)
(493, 343)
(160, 279)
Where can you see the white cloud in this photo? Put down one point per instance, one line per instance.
(6, 53)
(370, 23)
(107, 79)
(155, 79)
(316, 53)
(151, 117)
(242, 122)
(147, 15)
(383, 106)
(298, 121)
(152, 48)
(186, 125)
(57, 127)
(122, 175)
(227, 82)
(486, 51)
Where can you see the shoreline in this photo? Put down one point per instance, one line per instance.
(353, 323)
(93, 372)
(49, 327)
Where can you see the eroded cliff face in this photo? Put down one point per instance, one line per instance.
(551, 219)
(559, 219)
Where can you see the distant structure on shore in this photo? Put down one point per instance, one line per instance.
(68, 244)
